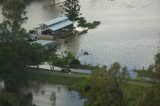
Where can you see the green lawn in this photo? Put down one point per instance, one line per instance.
(87, 67)
(56, 79)
(152, 75)
(135, 94)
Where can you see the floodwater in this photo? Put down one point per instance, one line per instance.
(45, 94)
(129, 31)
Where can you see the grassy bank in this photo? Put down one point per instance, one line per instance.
(135, 94)
(87, 67)
(141, 80)
(55, 79)
(149, 74)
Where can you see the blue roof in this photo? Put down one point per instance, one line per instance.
(43, 42)
(60, 25)
(55, 21)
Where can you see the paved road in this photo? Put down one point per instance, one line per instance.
(56, 72)
(47, 67)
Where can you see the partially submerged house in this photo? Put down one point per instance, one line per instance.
(58, 27)
(47, 44)
(32, 35)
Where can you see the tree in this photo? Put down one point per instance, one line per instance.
(103, 90)
(114, 70)
(14, 13)
(15, 51)
(54, 60)
(72, 9)
(75, 62)
(12, 63)
(151, 68)
(125, 73)
(11, 33)
(37, 55)
(67, 57)
(157, 62)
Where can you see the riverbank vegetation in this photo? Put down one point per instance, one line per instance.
(103, 87)
(72, 10)
(152, 74)
(99, 91)
(66, 58)
(59, 79)
(83, 23)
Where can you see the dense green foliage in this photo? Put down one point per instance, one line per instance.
(103, 87)
(153, 96)
(64, 59)
(157, 62)
(72, 9)
(134, 93)
(12, 99)
(104, 91)
(15, 51)
(83, 23)
(14, 13)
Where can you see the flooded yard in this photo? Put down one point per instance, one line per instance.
(45, 94)
(53, 95)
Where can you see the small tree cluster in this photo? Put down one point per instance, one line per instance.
(103, 88)
(72, 9)
(66, 58)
